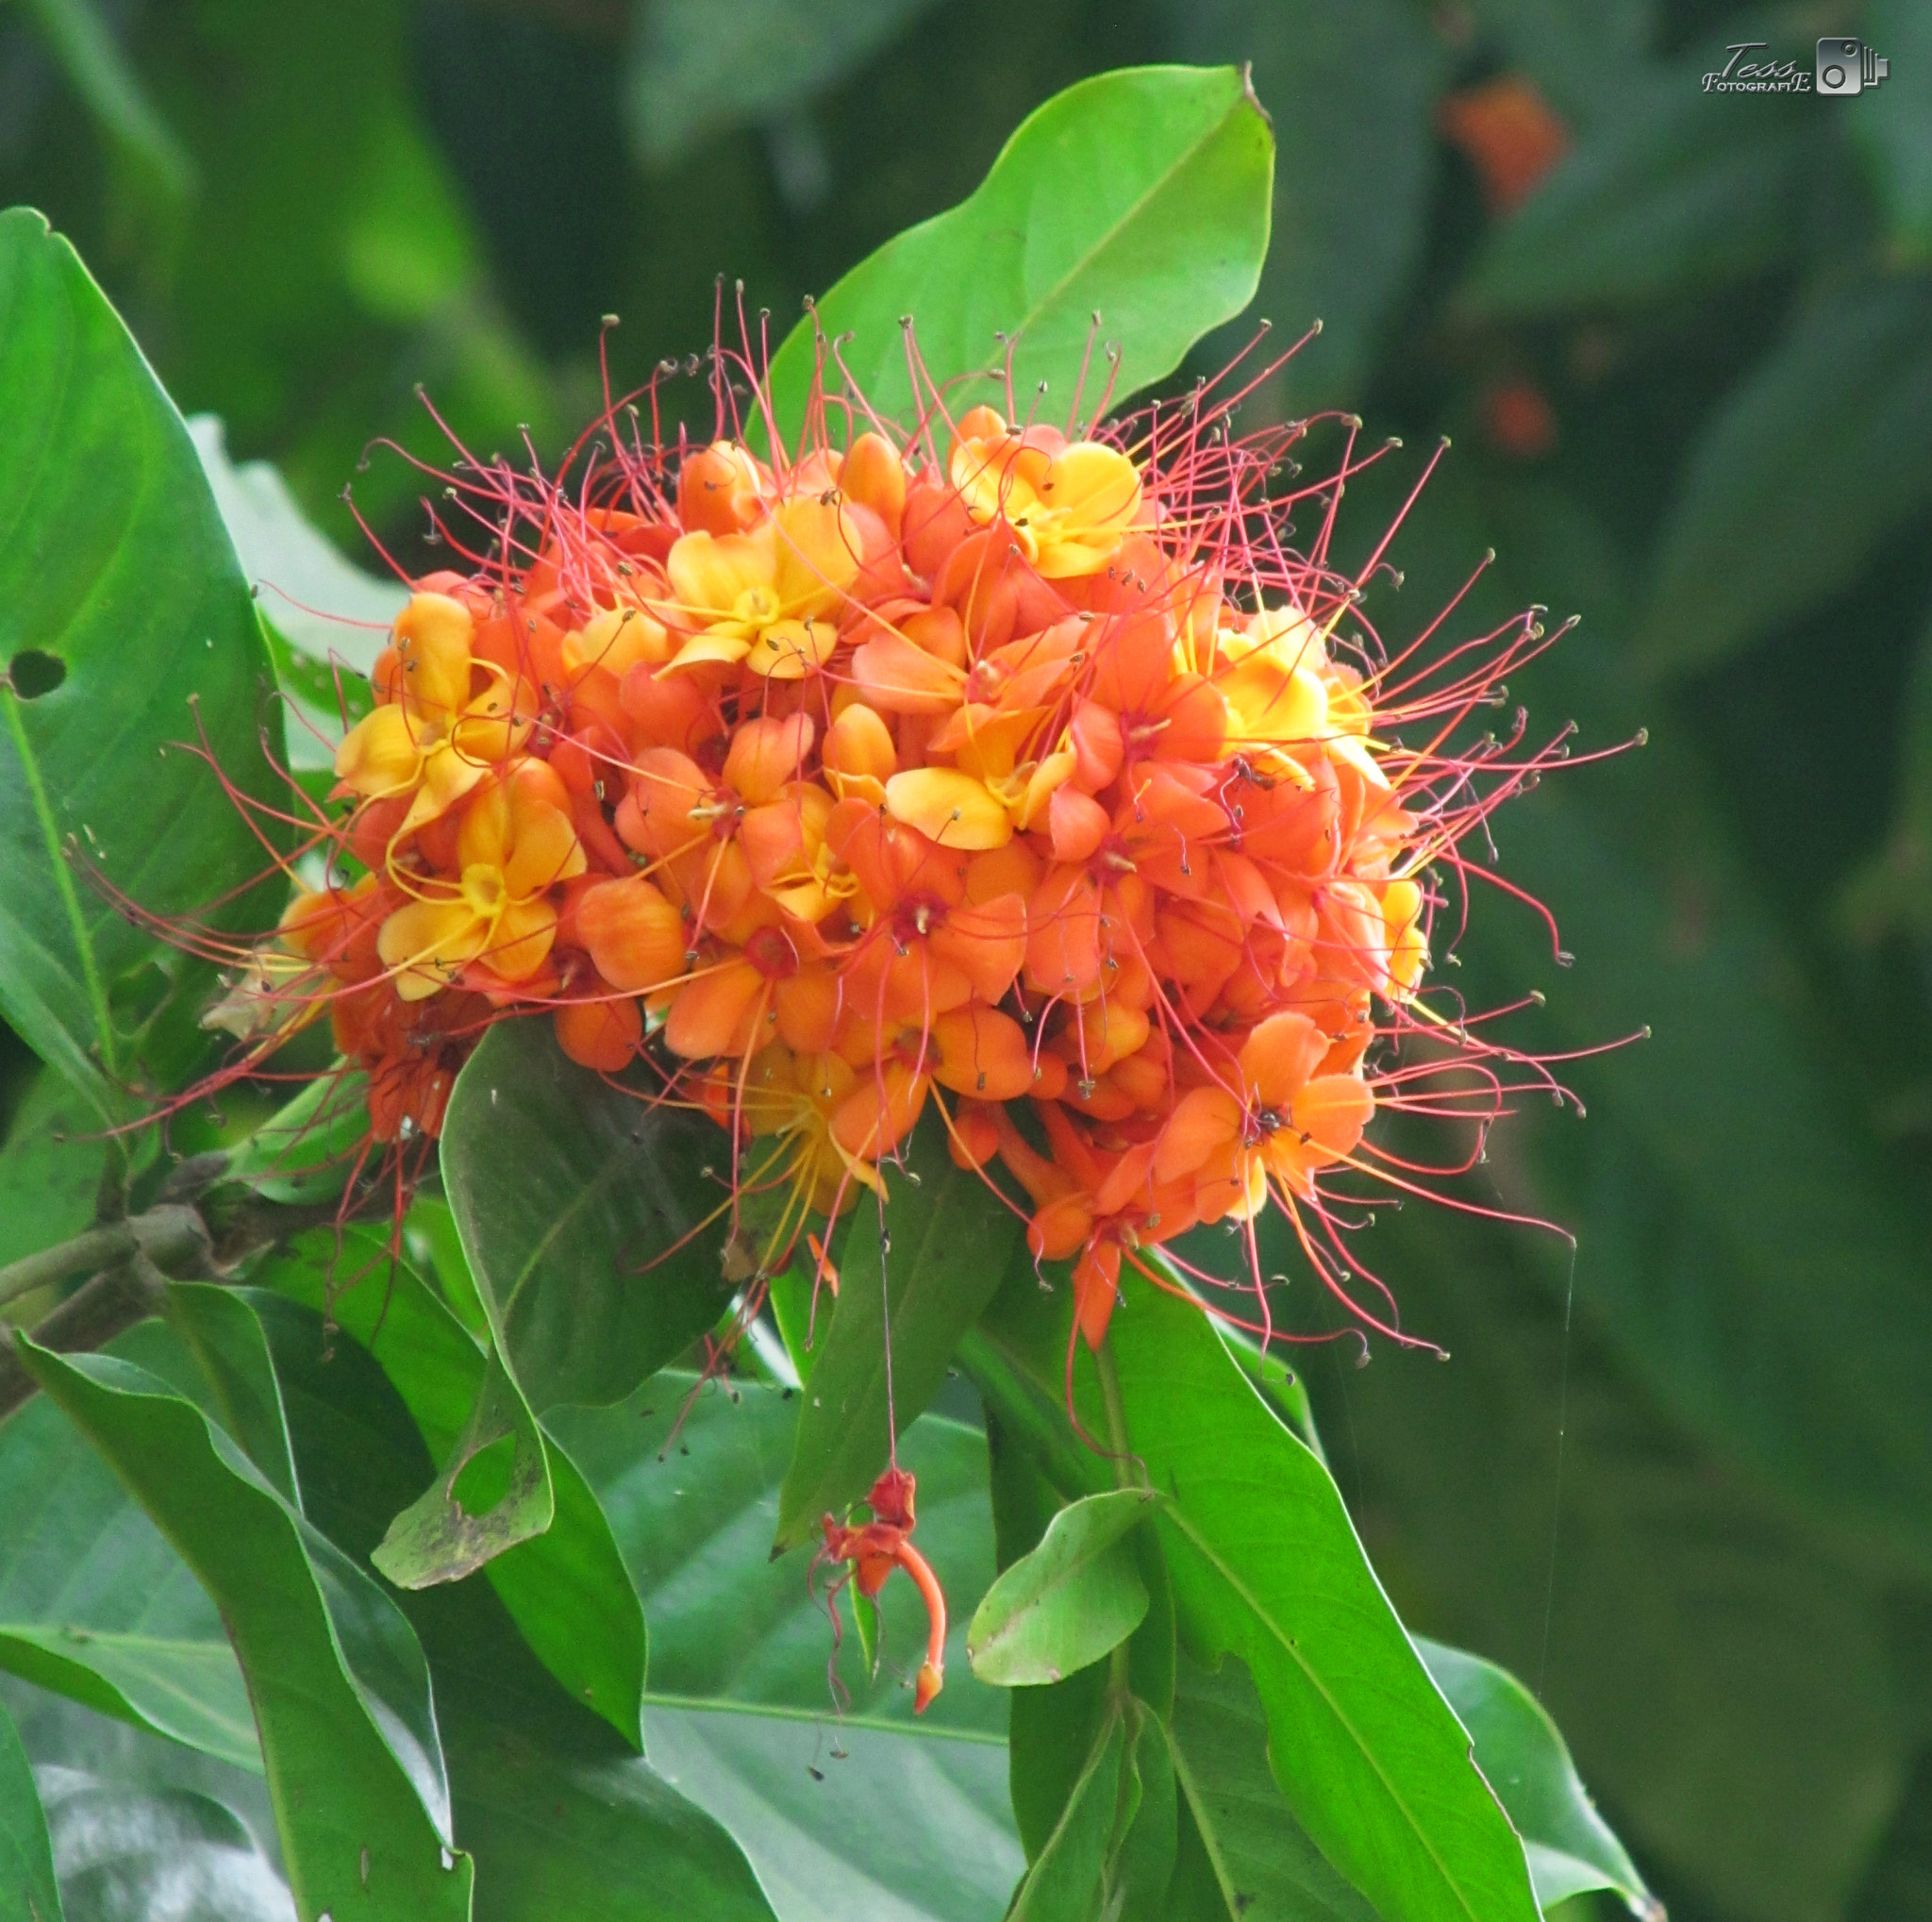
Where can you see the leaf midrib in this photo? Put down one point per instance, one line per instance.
(1184, 1523)
(1106, 239)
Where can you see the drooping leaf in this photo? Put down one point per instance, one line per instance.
(1347, 93)
(1680, 192)
(561, 1815)
(1068, 1601)
(698, 70)
(582, 1209)
(28, 1890)
(95, 1605)
(129, 628)
(337, 1682)
(566, 1589)
(1746, 549)
(926, 1270)
(1571, 1847)
(872, 1812)
(1141, 195)
(1266, 1566)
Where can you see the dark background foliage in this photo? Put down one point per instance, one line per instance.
(1683, 1482)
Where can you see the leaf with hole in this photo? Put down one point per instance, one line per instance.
(125, 604)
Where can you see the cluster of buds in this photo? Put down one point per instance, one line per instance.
(1030, 779)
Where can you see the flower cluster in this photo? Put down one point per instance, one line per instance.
(1029, 778)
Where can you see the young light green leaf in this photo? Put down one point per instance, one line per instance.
(28, 1890)
(338, 1686)
(124, 599)
(1141, 195)
(926, 1271)
(1068, 1602)
(1571, 1847)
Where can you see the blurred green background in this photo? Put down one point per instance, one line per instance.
(1683, 342)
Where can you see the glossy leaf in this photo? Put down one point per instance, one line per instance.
(869, 1813)
(1743, 550)
(1570, 1845)
(28, 1890)
(926, 1270)
(582, 1211)
(95, 1605)
(339, 1687)
(698, 70)
(1141, 195)
(1347, 92)
(559, 1813)
(566, 1589)
(1266, 1566)
(1676, 193)
(122, 598)
(1067, 1602)
(1243, 1857)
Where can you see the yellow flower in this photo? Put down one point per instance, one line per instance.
(433, 735)
(761, 597)
(511, 847)
(1068, 511)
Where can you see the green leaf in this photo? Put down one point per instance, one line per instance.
(928, 1267)
(225, 1340)
(582, 1211)
(1066, 1881)
(1068, 1602)
(872, 1812)
(95, 1605)
(1266, 1566)
(337, 1682)
(329, 611)
(1141, 195)
(1243, 1856)
(1892, 890)
(1747, 546)
(698, 70)
(305, 1152)
(566, 1589)
(127, 628)
(1682, 192)
(1522, 1756)
(49, 1172)
(1348, 94)
(27, 1891)
(100, 72)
